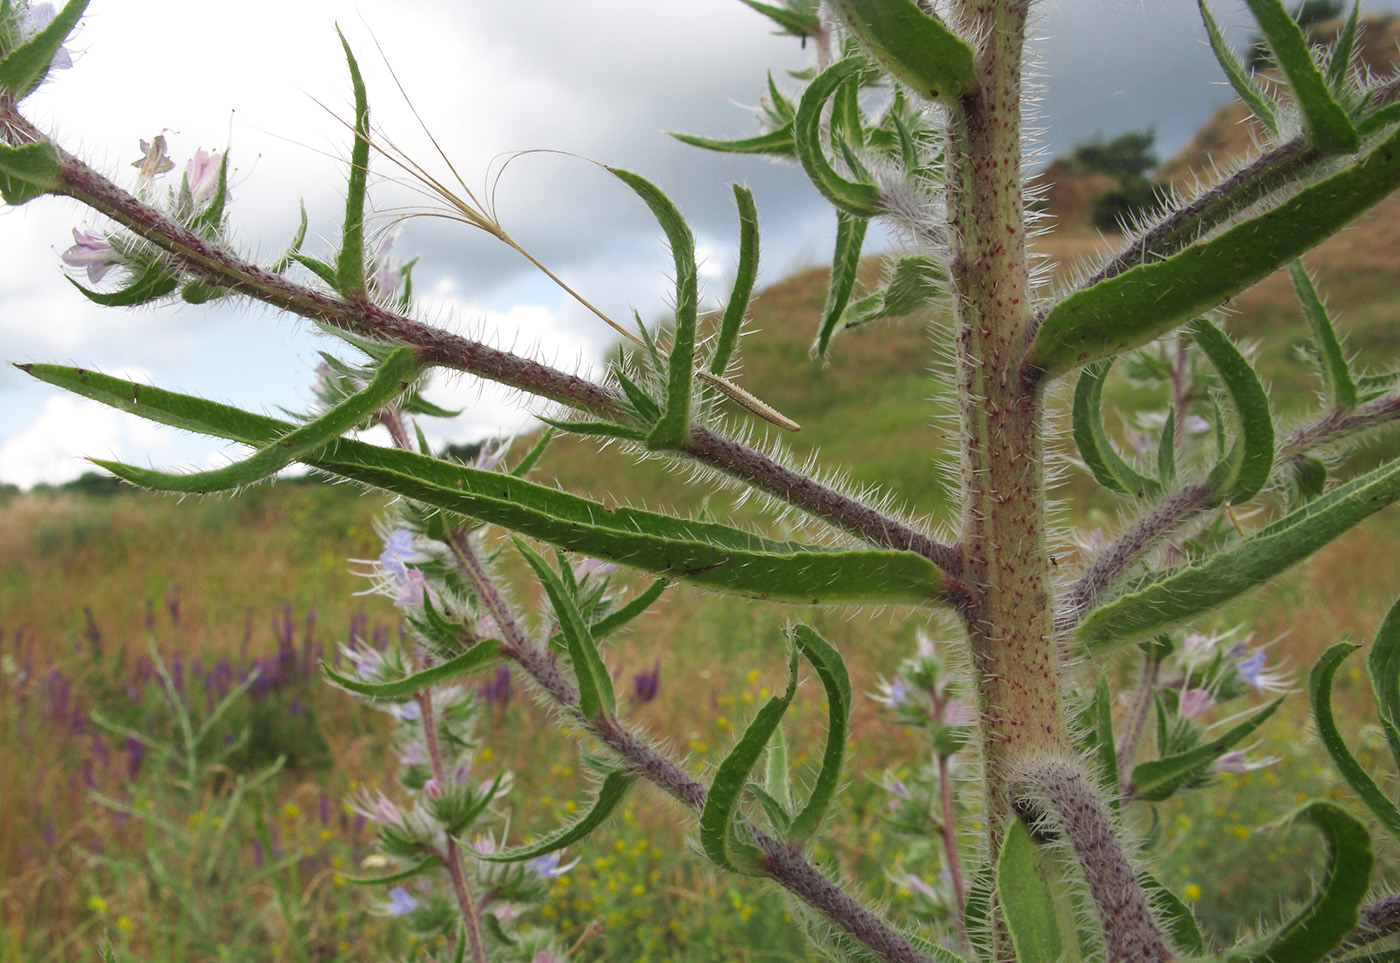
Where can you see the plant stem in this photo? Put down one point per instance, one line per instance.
(949, 833)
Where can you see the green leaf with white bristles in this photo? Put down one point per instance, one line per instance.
(1383, 667)
(780, 142)
(845, 266)
(846, 122)
(780, 108)
(1260, 104)
(915, 46)
(1335, 908)
(294, 248)
(1204, 587)
(777, 779)
(1238, 478)
(1145, 302)
(1328, 127)
(1339, 62)
(417, 869)
(210, 219)
(1336, 373)
(28, 171)
(390, 381)
(778, 816)
(705, 553)
(742, 290)
(719, 834)
(26, 66)
(672, 429)
(595, 689)
(831, 669)
(1102, 459)
(1158, 779)
(610, 795)
(1166, 451)
(350, 263)
(475, 659)
(646, 408)
(1105, 747)
(1177, 918)
(152, 284)
(856, 199)
(1027, 904)
(915, 283)
(316, 266)
(795, 22)
(1320, 694)
(615, 620)
(533, 456)
(603, 429)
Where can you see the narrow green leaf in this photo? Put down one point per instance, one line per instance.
(1340, 60)
(610, 795)
(780, 142)
(1308, 478)
(595, 689)
(1260, 104)
(1146, 302)
(1191, 591)
(1335, 908)
(915, 283)
(1341, 389)
(744, 278)
(417, 869)
(154, 283)
(706, 553)
(642, 403)
(316, 266)
(1108, 467)
(200, 292)
(613, 621)
(350, 263)
(831, 669)
(25, 67)
(211, 218)
(777, 778)
(916, 47)
(718, 834)
(846, 122)
(1166, 451)
(1320, 692)
(1240, 479)
(393, 376)
(1179, 922)
(778, 816)
(1158, 779)
(28, 171)
(1328, 127)
(1383, 667)
(795, 22)
(780, 108)
(856, 199)
(673, 428)
(294, 248)
(533, 456)
(1105, 747)
(845, 266)
(1023, 891)
(474, 659)
(604, 429)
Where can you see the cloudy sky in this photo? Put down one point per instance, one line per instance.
(602, 79)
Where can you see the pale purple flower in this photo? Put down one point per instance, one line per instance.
(891, 694)
(386, 277)
(646, 683)
(1240, 761)
(547, 866)
(916, 884)
(36, 18)
(923, 645)
(92, 251)
(1195, 703)
(1196, 425)
(153, 160)
(957, 711)
(593, 567)
(376, 807)
(410, 590)
(1254, 670)
(401, 903)
(202, 175)
(413, 753)
(407, 711)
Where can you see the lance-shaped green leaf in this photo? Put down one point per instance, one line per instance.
(152, 284)
(799, 23)
(1260, 104)
(719, 834)
(212, 216)
(393, 376)
(1245, 469)
(917, 48)
(916, 282)
(613, 621)
(1320, 692)
(1166, 450)
(474, 659)
(28, 171)
(673, 427)
(831, 669)
(417, 869)
(744, 278)
(25, 67)
(1108, 467)
(1176, 917)
(1340, 60)
(1336, 373)
(1146, 302)
(603, 429)
(1383, 666)
(350, 263)
(646, 409)
(776, 795)
(706, 553)
(1328, 127)
(1335, 907)
(1157, 780)
(857, 199)
(779, 141)
(1105, 746)
(610, 795)
(1178, 596)
(595, 689)
(1023, 892)
(294, 248)
(533, 456)
(845, 265)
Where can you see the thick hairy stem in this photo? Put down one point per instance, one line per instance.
(211, 262)
(1337, 426)
(1378, 920)
(1136, 719)
(453, 856)
(1005, 556)
(788, 867)
(1058, 796)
